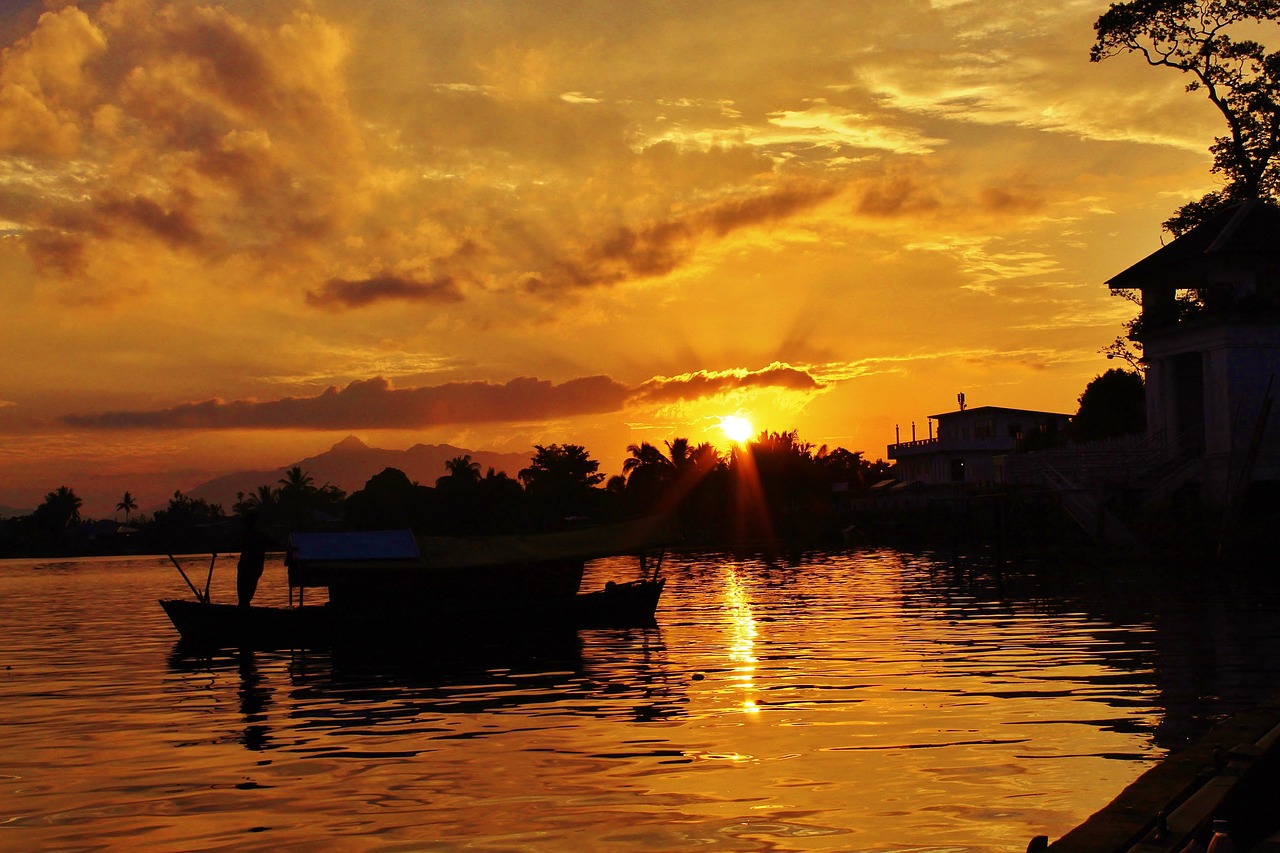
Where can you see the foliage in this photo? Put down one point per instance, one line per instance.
(462, 473)
(184, 511)
(127, 505)
(295, 503)
(792, 488)
(1239, 76)
(1112, 405)
(388, 501)
(59, 511)
(560, 481)
(649, 474)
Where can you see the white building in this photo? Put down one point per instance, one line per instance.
(967, 442)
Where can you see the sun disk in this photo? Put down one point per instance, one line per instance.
(737, 429)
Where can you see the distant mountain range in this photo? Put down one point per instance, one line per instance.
(12, 512)
(350, 463)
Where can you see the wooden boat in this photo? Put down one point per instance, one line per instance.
(388, 587)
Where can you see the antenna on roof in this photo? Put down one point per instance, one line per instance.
(960, 400)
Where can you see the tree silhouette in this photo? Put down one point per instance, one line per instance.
(302, 505)
(561, 479)
(60, 510)
(127, 505)
(679, 452)
(461, 470)
(502, 504)
(260, 501)
(1113, 404)
(390, 500)
(296, 481)
(648, 474)
(1239, 77)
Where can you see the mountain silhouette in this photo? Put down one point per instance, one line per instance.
(350, 463)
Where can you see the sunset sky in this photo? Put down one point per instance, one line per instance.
(235, 232)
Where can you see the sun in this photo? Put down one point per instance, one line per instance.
(737, 429)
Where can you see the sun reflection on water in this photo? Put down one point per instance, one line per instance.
(742, 638)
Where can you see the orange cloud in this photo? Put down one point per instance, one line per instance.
(709, 383)
(191, 127)
(44, 85)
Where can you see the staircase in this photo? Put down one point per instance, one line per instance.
(1086, 508)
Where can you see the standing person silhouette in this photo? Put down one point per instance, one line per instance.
(253, 556)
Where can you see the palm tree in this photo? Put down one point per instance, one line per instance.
(705, 457)
(463, 468)
(680, 453)
(296, 481)
(644, 458)
(260, 501)
(648, 474)
(60, 510)
(127, 505)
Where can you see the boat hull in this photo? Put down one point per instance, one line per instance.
(410, 622)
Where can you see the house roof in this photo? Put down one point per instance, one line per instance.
(1250, 229)
(992, 410)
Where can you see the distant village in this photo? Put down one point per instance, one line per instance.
(1178, 449)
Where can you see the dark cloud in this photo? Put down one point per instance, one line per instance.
(231, 65)
(1012, 199)
(51, 250)
(657, 248)
(174, 224)
(375, 404)
(787, 201)
(347, 293)
(706, 383)
(898, 196)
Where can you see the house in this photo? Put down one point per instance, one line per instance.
(1210, 330)
(967, 442)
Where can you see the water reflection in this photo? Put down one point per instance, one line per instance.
(255, 697)
(618, 674)
(834, 701)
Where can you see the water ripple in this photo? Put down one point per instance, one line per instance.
(843, 701)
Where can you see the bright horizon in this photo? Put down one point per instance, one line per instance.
(237, 232)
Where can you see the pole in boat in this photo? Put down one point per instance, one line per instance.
(646, 558)
(190, 585)
(212, 558)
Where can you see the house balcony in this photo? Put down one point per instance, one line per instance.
(993, 444)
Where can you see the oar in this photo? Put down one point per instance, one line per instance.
(209, 577)
(192, 586)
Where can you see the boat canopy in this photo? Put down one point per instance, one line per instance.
(317, 559)
(355, 545)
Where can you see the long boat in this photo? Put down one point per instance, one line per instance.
(391, 587)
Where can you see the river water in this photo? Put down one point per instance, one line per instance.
(862, 701)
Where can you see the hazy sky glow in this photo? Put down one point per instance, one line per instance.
(233, 232)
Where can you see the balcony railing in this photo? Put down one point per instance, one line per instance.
(997, 444)
(917, 443)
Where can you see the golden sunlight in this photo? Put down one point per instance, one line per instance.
(737, 429)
